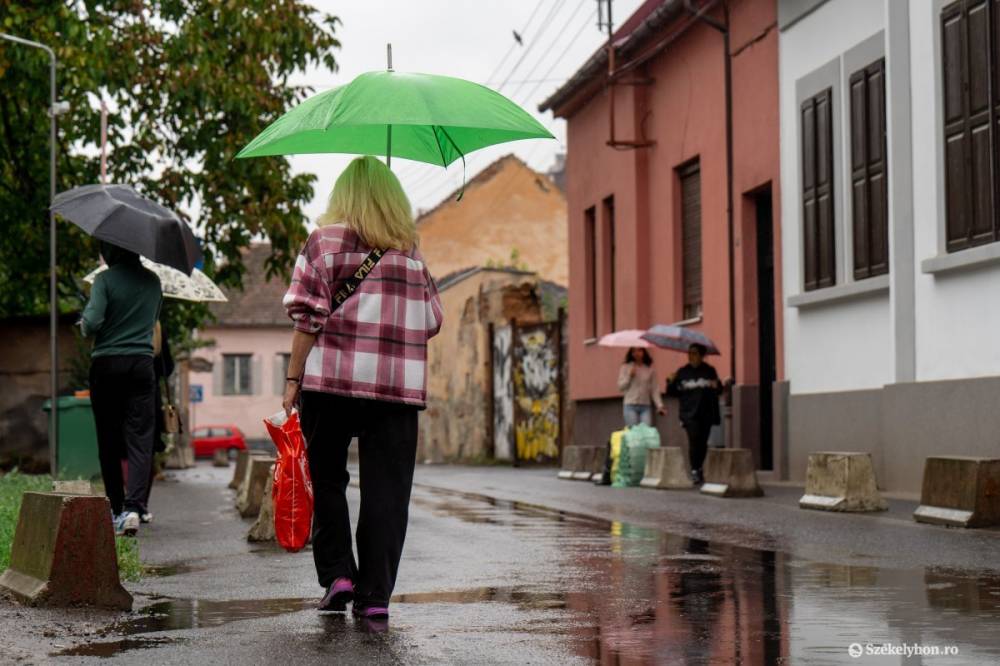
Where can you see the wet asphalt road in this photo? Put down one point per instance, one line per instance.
(486, 581)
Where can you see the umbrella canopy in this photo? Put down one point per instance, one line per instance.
(627, 338)
(198, 287)
(121, 216)
(678, 338)
(422, 117)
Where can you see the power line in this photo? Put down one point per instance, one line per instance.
(552, 43)
(562, 55)
(514, 44)
(556, 6)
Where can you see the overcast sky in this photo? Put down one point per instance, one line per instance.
(472, 40)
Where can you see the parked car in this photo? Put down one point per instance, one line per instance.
(206, 439)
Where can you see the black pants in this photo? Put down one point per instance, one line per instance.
(387, 451)
(122, 395)
(697, 432)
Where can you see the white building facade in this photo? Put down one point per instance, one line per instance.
(890, 167)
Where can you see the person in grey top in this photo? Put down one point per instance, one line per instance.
(637, 380)
(120, 315)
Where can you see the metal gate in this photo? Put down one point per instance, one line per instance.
(527, 392)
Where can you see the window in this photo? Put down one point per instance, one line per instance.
(819, 242)
(868, 172)
(590, 278)
(971, 76)
(236, 374)
(279, 370)
(690, 177)
(609, 258)
(200, 433)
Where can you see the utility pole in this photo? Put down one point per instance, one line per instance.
(54, 110)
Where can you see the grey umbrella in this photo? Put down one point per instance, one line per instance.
(121, 216)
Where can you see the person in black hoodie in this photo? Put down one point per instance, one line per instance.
(697, 387)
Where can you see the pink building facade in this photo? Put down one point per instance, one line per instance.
(650, 174)
(247, 377)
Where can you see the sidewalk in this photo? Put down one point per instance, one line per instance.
(889, 538)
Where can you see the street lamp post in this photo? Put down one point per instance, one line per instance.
(53, 296)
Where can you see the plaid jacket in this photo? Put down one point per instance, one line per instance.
(375, 345)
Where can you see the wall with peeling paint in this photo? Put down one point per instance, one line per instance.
(457, 423)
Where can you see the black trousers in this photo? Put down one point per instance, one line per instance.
(387, 451)
(122, 395)
(697, 432)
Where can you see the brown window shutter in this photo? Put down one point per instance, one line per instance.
(868, 172)
(611, 288)
(970, 74)
(590, 269)
(819, 235)
(690, 177)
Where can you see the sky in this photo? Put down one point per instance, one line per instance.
(470, 39)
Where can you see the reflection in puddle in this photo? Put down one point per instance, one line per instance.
(641, 595)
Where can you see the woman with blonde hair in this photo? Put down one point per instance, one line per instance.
(364, 306)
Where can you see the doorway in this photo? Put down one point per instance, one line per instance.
(767, 346)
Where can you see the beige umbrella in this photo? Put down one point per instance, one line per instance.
(198, 287)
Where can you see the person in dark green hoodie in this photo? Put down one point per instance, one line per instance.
(120, 315)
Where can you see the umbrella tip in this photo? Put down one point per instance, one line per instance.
(388, 57)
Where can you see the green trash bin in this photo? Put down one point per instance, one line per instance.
(76, 453)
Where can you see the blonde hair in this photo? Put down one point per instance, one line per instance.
(368, 198)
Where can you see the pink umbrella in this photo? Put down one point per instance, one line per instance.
(627, 338)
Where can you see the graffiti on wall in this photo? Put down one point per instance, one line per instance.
(536, 392)
(503, 394)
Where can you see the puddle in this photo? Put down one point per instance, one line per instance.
(109, 649)
(638, 595)
(169, 569)
(523, 597)
(613, 592)
(180, 614)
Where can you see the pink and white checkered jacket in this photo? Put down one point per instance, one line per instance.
(375, 345)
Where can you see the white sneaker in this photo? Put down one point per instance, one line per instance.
(127, 523)
(146, 517)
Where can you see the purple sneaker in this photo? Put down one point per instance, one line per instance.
(338, 595)
(371, 612)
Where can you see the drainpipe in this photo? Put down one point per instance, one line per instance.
(723, 29)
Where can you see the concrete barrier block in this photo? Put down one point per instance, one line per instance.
(64, 553)
(77, 487)
(587, 461)
(263, 527)
(841, 481)
(730, 473)
(666, 467)
(241, 469)
(176, 459)
(220, 458)
(961, 491)
(570, 462)
(252, 489)
(598, 463)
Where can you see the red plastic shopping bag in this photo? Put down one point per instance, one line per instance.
(292, 493)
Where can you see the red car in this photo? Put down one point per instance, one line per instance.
(207, 439)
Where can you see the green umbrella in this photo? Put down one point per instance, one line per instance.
(422, 117)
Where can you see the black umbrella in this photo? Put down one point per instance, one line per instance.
(121, 216)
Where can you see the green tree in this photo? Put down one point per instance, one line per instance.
(189, 82)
